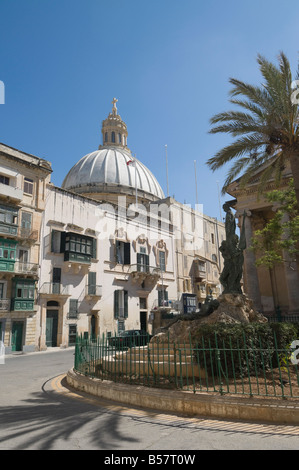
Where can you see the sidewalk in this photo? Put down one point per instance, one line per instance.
(29, 353)
(188, 403)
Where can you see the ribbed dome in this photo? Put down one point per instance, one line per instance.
(107, 168)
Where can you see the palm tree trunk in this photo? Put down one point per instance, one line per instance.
(294, 162)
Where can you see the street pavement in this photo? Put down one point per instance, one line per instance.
(39, 412)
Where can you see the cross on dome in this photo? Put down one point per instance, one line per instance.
(114, 109)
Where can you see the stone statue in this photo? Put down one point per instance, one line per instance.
(232, 251)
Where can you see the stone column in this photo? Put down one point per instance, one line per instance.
(252, 282)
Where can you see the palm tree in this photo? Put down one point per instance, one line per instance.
(265, 126)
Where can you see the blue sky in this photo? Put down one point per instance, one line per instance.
(168, 62)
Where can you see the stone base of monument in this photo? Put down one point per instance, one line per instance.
(234, 308)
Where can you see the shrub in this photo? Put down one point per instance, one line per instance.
(242, 349)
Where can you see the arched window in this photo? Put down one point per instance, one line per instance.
(113, 136)
(106, 136)
(119, 138)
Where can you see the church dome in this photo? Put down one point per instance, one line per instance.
(112, 169)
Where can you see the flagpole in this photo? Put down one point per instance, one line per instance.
(136, 181)
(195, 182)
(167, 170)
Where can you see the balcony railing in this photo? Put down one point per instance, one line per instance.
(142, 268)
(54, 288)
(28, 234)
(4, 304)
(166, 304)
(93, 291)
(26, 268)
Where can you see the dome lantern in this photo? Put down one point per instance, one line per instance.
(114, 130)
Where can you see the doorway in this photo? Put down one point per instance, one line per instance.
(51, 328)
(143, 316)
(17, 336)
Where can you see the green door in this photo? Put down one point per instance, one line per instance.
(17, 336)
(51, 328)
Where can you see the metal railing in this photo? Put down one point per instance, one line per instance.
(266, 371)
(93, 290)
(28, 234)
(54, 288)
(26, 268)
(142, 268)
(167, 304)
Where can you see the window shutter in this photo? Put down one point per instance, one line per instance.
(55, 241)
(146, 257)
(117, 252)
(125, 304)
(139, 261)
(94, 248)
(116, 304)
(159, 298)
(127, 254)
(73, 306)
(62, 242)
(92, 283)
(162, 260)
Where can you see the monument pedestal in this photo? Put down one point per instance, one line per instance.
(234, 308)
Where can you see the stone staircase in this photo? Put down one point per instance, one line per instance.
(166, 359)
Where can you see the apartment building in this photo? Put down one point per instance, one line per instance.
(23, 180)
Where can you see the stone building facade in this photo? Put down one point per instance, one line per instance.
(106, 252)
(23, 182)
(274, 290)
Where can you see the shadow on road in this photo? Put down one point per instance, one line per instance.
(49, 421)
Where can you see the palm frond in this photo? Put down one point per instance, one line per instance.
(237, 149)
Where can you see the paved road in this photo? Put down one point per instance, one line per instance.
(38, 412)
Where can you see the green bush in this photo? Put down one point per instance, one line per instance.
(242, 349)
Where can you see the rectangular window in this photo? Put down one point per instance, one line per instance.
(162, 260)
(163, 298)
(8, 215)
(120, 304)
(28, 186)
(142, 262)
(4, 179)
(142, 303)
(26, 223)
(25, 290)
(123, 252)
(72, 334)
(55, 241)
(73, 308)
(78, 247)
(7, 249)
(92, 283)
(56, 280)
